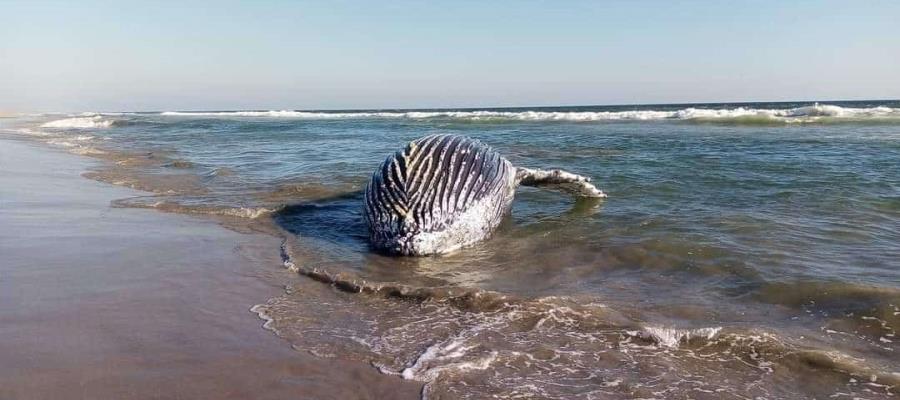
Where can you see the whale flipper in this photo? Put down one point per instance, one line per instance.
(566, 181)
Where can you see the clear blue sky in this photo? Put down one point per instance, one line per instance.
(93, 55)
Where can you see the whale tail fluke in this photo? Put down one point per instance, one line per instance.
(566, 181)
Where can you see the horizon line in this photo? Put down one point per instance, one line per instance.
(466, 108)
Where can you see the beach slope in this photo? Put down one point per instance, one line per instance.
(99, 302)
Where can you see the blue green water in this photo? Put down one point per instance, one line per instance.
(726, 225)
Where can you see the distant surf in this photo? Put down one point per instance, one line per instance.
(805, 114)
(83, 122)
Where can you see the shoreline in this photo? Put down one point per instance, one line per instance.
(104, 302)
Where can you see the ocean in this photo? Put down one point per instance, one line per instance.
(743, 251)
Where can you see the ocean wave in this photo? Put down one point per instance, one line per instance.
(672, 337)
(30, 132)
(75, 145)
(812, 113)
(189, 205)
(459, 297)
(440, 358)
(84, 122)
(271, 113)
(180, 164)
(470, 343)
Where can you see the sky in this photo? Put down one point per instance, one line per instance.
(181, 55)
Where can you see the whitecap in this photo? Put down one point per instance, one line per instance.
(672, 337)
(88, 122)
(800, 114)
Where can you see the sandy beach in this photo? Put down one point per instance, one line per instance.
(99, 302)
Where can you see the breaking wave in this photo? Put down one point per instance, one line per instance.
(187, 205)
(84, 122)
(672, 337)
(813, 113)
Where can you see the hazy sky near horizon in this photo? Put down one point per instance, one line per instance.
(108, 56)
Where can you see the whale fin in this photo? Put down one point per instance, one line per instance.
(566, 181)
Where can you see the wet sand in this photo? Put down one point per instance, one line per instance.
(100, 303)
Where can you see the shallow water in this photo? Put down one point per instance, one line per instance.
(744, 250)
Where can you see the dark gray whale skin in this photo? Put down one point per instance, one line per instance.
(444, 192)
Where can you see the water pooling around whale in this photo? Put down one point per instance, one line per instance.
(444, 192)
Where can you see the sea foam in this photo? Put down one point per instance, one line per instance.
(86, 122)
(672, 337)
(800, 114)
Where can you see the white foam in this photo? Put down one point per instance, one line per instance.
(249, 212)
(276, 114)
(86, 151)
(471, 115)
(32, 132)
(87, 122)
(799, 114)
(75, 144)
(445, 357)
(241, 212)
(61, 142)
(671, 337)
(261, 311)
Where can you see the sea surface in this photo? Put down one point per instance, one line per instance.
(744, 251)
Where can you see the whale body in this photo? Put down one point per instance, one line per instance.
(444, 192)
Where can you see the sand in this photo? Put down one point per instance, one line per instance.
(112, 303)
